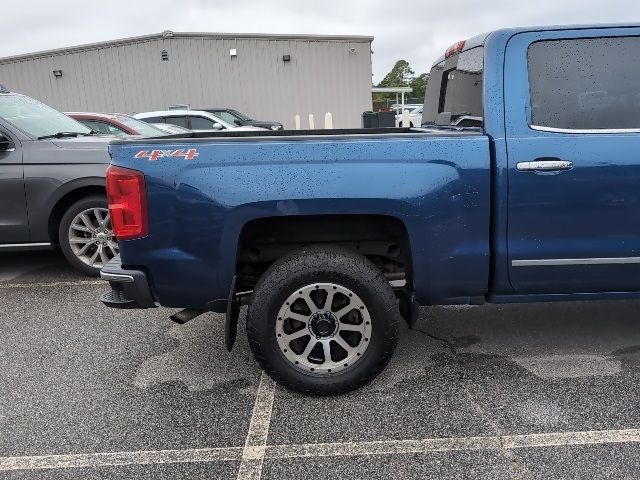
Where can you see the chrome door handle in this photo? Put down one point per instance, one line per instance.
(544, 166)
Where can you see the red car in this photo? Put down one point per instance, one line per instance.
(117, 124)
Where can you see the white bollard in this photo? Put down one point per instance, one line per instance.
(406, 119)
(312, 123)
(328, 121)
(298, 122)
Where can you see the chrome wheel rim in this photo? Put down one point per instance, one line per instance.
(323, 328)
(91, 237)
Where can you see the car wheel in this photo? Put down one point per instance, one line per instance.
(323, 321)
(86, 236)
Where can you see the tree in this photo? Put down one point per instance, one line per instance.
(419, 85)
(399, 76)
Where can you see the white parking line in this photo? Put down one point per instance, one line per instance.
(256, 443)
(258, 452)
(382, 447)
(92, 460)
(428, 445)
(589, 437)
(52, 284)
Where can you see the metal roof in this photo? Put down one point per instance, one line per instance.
(391, 89)
(169, 35)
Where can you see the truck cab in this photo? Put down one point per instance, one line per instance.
(560, 108)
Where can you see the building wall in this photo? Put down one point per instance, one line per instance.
(128, 76)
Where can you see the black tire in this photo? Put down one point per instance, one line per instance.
(90, 202)
(305, 267)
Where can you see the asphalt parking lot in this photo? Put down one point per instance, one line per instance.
(536, 391)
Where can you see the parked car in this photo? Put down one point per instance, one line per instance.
(540, 204)
(117, 124)
(234, 117)
(52, 186)
(415, 117)
(171, 129)
(195, 120)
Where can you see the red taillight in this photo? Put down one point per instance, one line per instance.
(454, 49)
(127, 197)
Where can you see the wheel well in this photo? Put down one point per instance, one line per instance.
(65, 202)
(382, 239)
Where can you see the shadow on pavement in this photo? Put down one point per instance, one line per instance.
(36, 266)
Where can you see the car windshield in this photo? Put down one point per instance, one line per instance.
(239, 115)
(143, 128)
(37, 119)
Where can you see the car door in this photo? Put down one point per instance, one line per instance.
(572, 113)
(14, 225)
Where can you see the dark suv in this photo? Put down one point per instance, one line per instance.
(52, 186)
(234, 117)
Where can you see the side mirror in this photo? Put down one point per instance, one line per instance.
(217, 126)
(238, 122)
(6, 145)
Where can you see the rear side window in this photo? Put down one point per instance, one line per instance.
(202, 123)
(461, 92)
(585, 84)
(454, 92)
(180, 121)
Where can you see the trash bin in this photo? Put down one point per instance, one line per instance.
(369, 120)
(387, 119)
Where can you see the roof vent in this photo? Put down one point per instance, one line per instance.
(164, 56)
(167, 34)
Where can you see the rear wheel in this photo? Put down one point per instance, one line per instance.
(86, 235)
(323, 321)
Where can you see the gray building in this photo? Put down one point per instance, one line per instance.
(270, 77)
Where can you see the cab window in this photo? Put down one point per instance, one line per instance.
(454, 92)
(585, 84)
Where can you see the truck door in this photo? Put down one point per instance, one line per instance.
(572, 116)
(14, 227)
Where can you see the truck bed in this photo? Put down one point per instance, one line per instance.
(204, 190)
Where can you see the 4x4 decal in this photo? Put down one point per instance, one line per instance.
(189, 154)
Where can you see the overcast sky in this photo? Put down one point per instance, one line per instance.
(417, 30)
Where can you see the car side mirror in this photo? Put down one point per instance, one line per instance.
(6, 145)
(217, 126)
(238, 122)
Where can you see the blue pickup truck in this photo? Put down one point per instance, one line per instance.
(521, 185)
